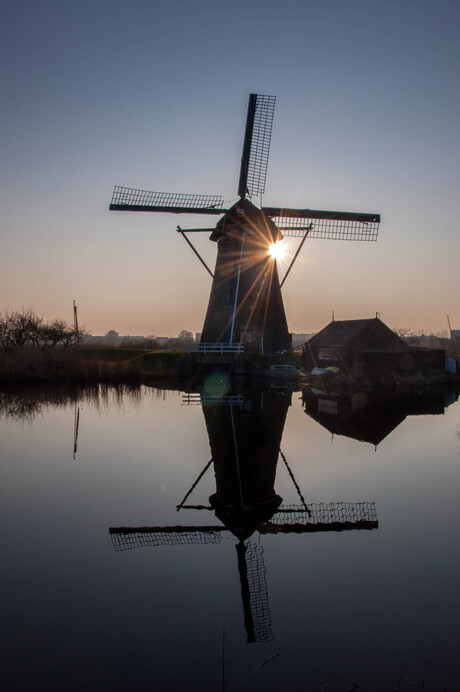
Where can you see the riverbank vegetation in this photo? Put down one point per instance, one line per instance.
(33, 350)
(29, 365)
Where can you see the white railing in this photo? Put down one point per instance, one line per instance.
(283, 367)
(216, 348)
(228, 400)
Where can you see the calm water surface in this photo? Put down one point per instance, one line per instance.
(332, 563)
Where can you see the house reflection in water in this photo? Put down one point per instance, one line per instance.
(245, 429)
(367, 417)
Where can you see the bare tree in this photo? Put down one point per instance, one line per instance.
(403, 331)
(19, 329)
(59, 332)
(185, 335)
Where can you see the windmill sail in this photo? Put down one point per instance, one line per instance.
(322, 516)
(254, 592)
(329, 225)
(319, 516)
(127, 538)
(130, 199)
(256, 147)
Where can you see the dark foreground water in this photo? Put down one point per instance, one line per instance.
(330, 564)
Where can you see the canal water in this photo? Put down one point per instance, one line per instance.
(229, 537)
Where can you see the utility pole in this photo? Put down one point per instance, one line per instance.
(75, 324)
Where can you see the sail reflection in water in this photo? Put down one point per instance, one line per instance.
(245, 431)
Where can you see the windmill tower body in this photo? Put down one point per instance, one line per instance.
(245, 304)
(245, 441)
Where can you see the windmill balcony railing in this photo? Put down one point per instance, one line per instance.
(209, 347)
(193, 399)
(283, 367)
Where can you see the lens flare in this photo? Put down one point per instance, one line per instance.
(276, 250)
(217, 384)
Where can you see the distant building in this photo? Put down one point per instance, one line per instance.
(113, 338)
(370, 344)
(455, 334)
(162, 341)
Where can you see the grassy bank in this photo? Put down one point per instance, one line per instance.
(30, 365)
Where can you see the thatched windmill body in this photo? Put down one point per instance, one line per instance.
(246, 304)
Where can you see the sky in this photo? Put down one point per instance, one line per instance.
(153, 95)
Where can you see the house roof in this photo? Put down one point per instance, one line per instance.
(380, 416)
(364, 428)
(339, 332)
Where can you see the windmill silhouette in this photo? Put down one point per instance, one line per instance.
(246, 304)
(245, 434)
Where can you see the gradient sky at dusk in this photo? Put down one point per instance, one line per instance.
(153, 94)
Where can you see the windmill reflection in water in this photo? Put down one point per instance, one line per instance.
(245, 432)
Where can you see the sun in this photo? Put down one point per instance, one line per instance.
(276, 250)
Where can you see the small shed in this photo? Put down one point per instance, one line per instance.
(372, 345)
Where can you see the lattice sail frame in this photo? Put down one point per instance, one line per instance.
(324, 516)
(133, 199)
(258, 597)
(328, 229)
(129, 539)
(319, 516)
(260, 144)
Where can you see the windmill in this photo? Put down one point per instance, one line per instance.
(246, 305)
(245, 432)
